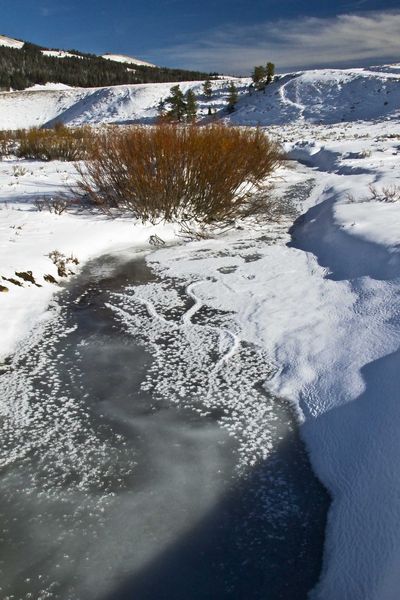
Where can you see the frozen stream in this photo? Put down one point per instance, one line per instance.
(129, 467)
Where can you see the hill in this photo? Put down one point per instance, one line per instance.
(324, 96)
(23, 65)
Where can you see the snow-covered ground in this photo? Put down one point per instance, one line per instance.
(322, 301)
(129, 60)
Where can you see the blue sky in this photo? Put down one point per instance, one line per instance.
(224, 35)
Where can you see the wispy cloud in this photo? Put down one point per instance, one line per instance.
(49, 11)
(299, 43)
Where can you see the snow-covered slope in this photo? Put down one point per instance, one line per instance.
(60, 54)
(117, 104)
(10, 42)
(324, 96)
(129, 60)
(321, 96)
(35, 108)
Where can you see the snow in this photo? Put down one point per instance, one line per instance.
(10, 42)
(321, 302)
(60, 54)
(372, 221)
(77, 106)
(325, 310)
(323, 96)
(48, 86)
(129, 60)
(314, 97)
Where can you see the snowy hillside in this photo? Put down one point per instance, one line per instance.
(24, 64)
(60, 54)
(325, 96)
(121, 58)
(321, 96)
(129, 60)
(10, 42)
(117, 104)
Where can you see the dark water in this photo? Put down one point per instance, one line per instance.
(110, 491)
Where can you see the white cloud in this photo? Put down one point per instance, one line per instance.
(306, 42)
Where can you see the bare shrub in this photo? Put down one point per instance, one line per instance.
(350, 198)
(386, 194)
(19, 171)
(186, 174)
(7, 143)
(389, 193)
(63, 263)
(60, 143)
(56, 205)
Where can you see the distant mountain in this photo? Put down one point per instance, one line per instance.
(120, 58)
(23, 65)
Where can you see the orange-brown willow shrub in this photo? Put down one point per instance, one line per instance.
(186, 174)
(60, 143)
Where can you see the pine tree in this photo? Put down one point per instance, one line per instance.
(258, 76)
(191, 106)
(270, 72)
(177, 103)
(207, 89)
(161, 108)
(233, 97)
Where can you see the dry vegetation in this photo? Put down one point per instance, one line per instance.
(188, 174)
(60, 143)
(389, 193)
(386, 194)
(212, 174)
